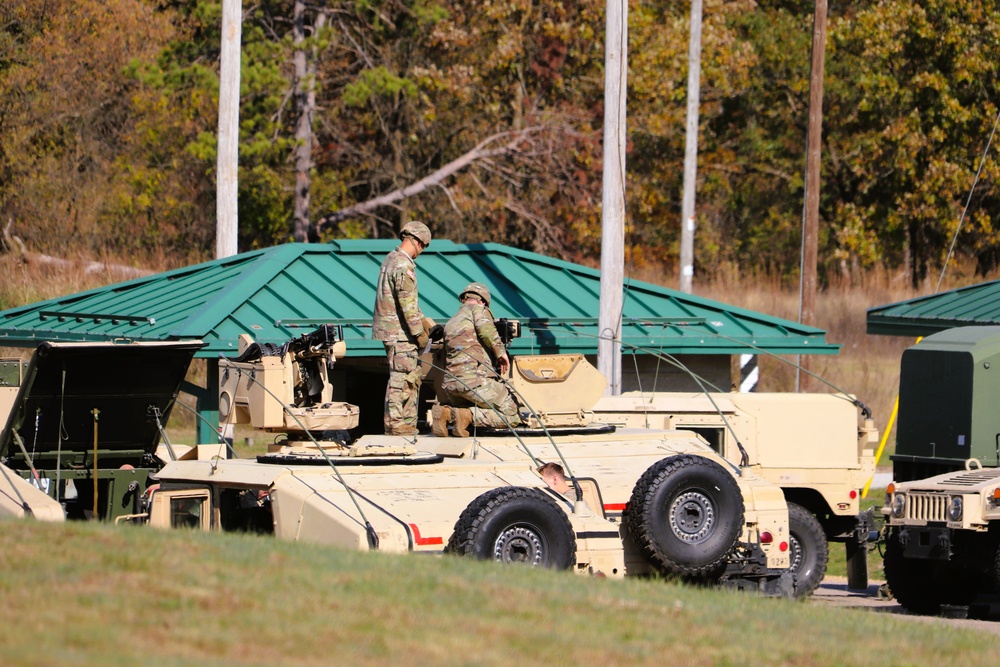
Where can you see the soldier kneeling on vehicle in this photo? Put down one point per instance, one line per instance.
(475, 357)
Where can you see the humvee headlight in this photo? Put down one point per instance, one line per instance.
(955, 508)
(898, 505)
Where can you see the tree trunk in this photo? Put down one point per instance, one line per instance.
(304, 60)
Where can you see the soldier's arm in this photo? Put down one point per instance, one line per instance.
(488, 335)
(406, 296)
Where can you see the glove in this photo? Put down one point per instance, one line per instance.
(422, 341)
(436, 332)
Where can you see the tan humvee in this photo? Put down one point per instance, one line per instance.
(696, 514)
(810, 445)
(502, 512)
(943, 550)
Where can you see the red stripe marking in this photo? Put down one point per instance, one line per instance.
(614, 507)
(424, 541)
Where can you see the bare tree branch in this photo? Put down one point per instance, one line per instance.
(13, 243)
(482, 151)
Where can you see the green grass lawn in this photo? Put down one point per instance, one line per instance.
(88, 594)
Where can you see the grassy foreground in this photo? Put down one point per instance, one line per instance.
(87, 594)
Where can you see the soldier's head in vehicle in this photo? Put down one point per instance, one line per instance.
(554, 475)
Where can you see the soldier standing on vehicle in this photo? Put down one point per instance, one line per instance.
(401, 326)
(472, 348)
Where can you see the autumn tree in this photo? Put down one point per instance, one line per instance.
(66, 114)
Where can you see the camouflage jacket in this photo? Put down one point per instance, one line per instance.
(397, 315)
(470, 339)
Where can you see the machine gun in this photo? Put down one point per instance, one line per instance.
(286, 388)
(508, 329)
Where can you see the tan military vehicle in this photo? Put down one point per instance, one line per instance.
(695, 514)
(942, 511)
(813, 446)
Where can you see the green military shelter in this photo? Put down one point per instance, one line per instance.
(279, 293)
(975, 305)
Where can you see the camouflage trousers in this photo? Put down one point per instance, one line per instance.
(491, 402)
(403, 389)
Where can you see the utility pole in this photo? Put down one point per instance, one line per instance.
(609, 321)
(227, 165)
(810, 210)
(691, 151)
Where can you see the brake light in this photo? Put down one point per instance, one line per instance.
(766, 538)
(783, 546)
(853, 494)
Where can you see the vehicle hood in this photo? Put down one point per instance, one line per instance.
(963, 481)
(69, 388)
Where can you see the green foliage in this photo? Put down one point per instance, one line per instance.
(108, 114)
(377, 82)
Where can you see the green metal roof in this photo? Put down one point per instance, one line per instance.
(281, 292)
(976, 305)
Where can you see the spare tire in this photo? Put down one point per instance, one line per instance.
(685, 515)
(515, 525)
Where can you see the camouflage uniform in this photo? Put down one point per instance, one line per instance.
(471, 345)
(397, 322)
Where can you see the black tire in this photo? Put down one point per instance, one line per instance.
(685, 515)
(515, 525)
(911, 580)
(808, 550)
(924, 586)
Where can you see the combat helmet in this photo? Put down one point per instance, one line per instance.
(479, 289)
(417, 230)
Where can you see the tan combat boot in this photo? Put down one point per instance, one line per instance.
(440, 416)
(463, 419)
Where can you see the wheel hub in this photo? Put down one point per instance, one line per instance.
(795, 554)
(519, 544)
(692, 517)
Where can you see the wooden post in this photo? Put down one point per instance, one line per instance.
(810, 212)
(227, 165)
(691, 151)
(609, 320)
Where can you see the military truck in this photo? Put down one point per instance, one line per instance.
(818, 448)
(82, 434)
(942, 510)
(695, 514)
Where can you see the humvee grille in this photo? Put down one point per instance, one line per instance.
(927, 506)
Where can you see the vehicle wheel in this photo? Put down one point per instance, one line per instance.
(515, 525)
(910, 580)
(685, 515)
(808, 550)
